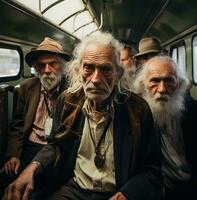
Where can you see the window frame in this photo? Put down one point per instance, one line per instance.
(20, 52)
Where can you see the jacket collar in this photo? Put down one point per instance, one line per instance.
(34, 98)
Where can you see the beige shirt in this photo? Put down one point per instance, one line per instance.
(86, 174)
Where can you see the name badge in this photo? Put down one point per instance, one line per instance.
(48, 126)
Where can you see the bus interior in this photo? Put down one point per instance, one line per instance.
(25, 23)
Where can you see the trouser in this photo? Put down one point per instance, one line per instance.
(29, 152)
(72, 191)
(181, 191)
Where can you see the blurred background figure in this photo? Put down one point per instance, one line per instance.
(127, 62)
(126, 58)
(148, 48)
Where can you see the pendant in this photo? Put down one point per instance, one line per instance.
(99, 161)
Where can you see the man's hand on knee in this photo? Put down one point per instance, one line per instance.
(22, 187)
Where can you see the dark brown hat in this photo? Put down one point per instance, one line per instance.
(149, 45)
(47, 46)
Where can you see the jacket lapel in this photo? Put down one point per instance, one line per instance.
(122, 144)
(72, 119)
(34, 97)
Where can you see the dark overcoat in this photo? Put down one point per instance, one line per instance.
(188, 123)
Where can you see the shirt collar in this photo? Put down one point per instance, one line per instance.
(108, 113)
(54, 93)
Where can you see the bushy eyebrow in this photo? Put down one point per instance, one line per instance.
(94, 65)
(165, 79)
(155, 79)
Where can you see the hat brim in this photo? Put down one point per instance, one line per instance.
(32, 56)
(146, 52)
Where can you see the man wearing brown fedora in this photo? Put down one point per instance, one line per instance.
(33, 118)
(148, 48)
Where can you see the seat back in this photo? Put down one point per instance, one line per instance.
(6, 102)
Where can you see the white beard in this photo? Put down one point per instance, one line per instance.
(50, 81)
(166, 111)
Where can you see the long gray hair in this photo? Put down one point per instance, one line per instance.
(74, 65)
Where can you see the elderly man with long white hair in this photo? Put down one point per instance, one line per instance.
(164, 86)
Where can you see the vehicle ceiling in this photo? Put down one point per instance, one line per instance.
(27, 26)
(129, 20)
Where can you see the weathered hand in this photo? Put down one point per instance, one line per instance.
(118, 196)
(11, 166)
(22, 187)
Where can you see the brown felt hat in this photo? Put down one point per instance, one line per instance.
(47, 46)
(149, 45)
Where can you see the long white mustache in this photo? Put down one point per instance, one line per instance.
(50, 81)
(163, 111)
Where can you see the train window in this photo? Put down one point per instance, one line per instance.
(33, 71)
(182, 58)
(195, 59)
(9, 62)
(174, 55)
(73, 16)
(179, 56)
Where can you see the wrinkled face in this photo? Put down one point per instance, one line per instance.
(125, 59)
(98, 72)
(161, 80)
(50, 71)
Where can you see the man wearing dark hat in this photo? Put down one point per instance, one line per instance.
(148, 48)
(33, 118)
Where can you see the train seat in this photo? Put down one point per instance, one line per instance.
(6, 102)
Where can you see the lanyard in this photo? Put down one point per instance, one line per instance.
(102, 136)
(47, 105)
